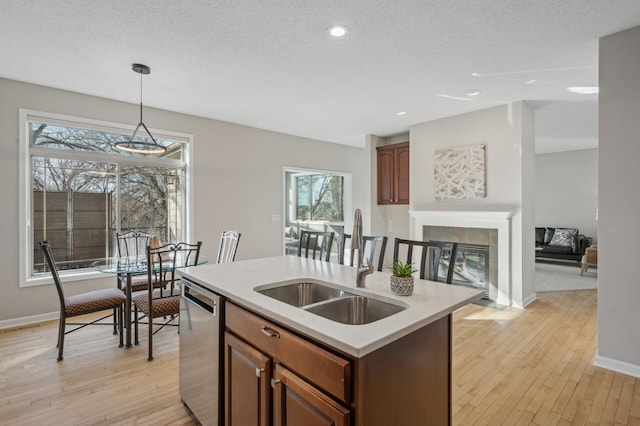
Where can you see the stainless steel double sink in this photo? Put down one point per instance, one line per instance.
(332, 302)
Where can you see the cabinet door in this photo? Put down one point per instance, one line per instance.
(385, 176)
(296, 402)
(247, 384)
(401, 174)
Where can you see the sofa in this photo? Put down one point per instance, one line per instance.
(560, 243)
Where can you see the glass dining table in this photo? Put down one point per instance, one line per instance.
(126, 267)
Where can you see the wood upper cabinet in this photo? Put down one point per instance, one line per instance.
(393, 174)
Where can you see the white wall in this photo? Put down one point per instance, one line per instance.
(507, 132)
(567, 190)
(237, 180)
(619, 203)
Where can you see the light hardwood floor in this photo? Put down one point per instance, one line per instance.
(510, 367)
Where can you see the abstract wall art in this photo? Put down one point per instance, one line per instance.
(459, 172)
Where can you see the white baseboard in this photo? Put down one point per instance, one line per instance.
(617, 366)
(528, 300)
(33, 319)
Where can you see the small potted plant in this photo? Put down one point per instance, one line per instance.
(401, 279)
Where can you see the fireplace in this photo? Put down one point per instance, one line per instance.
(483, 239)
(470, 268)
(474, 266)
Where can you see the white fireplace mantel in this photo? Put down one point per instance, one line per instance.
(499, 220)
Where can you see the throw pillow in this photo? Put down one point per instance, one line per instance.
(564, 237)
(539, 235)
(548, 235)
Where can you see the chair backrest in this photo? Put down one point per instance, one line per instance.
(430, 250)
(132, 243)
(48, 255)
(228, 246)
(450, 250)
(372, 241)
(162, 261)
(315, 244)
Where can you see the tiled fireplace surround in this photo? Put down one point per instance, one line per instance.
(490, 228)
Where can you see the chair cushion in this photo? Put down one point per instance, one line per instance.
(166, 304)
(138, 283)
(94, 301)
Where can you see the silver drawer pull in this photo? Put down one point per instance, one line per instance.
(269, 332)
(274, 382)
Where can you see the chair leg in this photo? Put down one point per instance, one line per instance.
(115, 321)
(61, 327)
(150, 343)
(135, 328)
(583, 268)
(120, 327)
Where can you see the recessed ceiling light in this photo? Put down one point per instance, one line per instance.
(585, 90)
(401, 112)
(474, 92)
(530, 81)
(337, 31)
(457, 98)
(475, 74)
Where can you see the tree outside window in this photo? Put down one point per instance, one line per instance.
(319, 197)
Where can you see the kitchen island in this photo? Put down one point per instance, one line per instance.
(294, 364)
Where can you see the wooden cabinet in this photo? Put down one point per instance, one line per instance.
(275, 376)
(393, 174)
(247, 384)
(296, 402)
(264, 362)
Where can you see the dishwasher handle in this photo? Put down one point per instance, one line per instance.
(208, 302)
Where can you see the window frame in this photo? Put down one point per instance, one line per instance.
(26, 152)
(289, 206)
(294, 197)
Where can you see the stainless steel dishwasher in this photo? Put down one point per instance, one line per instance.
(201, 322)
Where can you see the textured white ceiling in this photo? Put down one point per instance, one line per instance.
(270, 64)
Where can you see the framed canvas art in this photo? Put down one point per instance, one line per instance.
(459, 172)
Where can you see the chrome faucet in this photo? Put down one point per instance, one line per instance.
(364, 266)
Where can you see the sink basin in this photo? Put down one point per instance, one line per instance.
(302, 294)
(355, 310)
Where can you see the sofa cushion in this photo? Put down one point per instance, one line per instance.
(557, 249)
(548, 235)
(564, 237)
(539, 236)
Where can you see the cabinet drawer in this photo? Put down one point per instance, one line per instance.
(324, 369)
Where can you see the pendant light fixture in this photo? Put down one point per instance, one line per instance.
(141, 146)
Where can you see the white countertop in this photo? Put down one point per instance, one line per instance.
(236, 281)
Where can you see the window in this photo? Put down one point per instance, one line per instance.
(314, 200)
(319, 197)
(79, 191)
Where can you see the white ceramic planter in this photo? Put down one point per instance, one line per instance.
(402, 286)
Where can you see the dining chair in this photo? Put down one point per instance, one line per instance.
(372, 241)
(450, 253)
(134, 244)
(164, 301)
(429, 258)
(228, 246)
(84, 303)
(315, 244)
